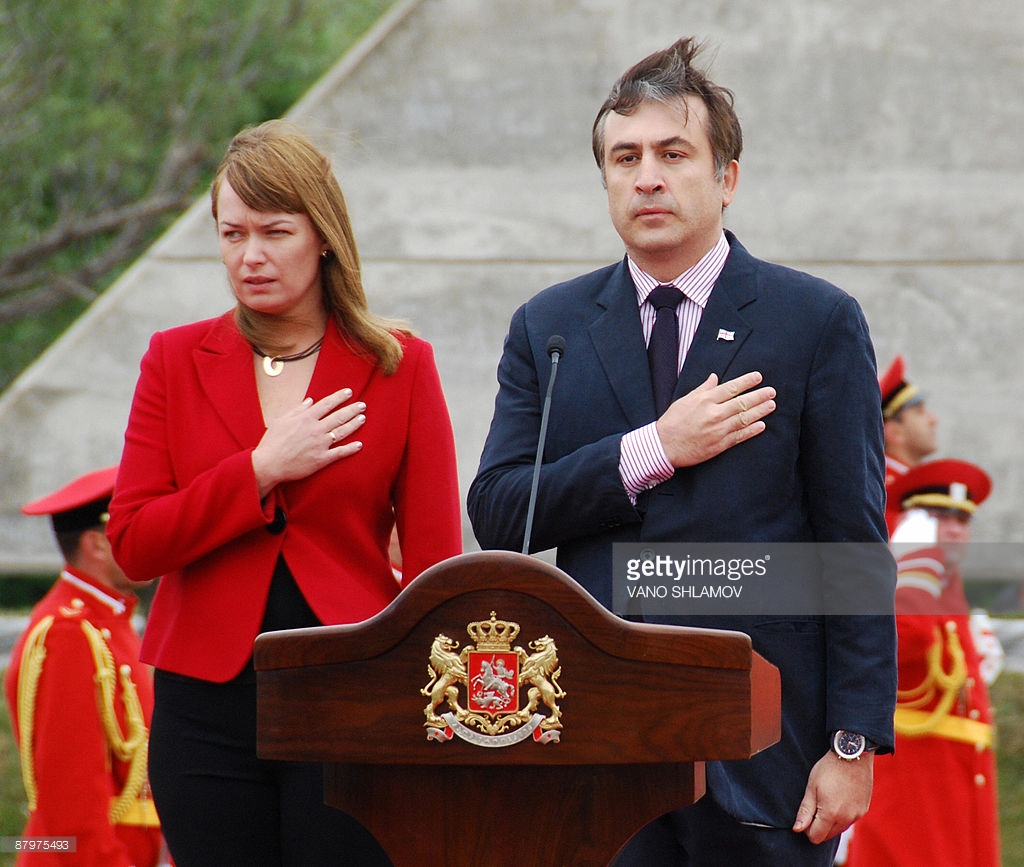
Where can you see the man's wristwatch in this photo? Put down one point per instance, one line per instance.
(850, 745)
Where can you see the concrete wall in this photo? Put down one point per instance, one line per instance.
(883, 151)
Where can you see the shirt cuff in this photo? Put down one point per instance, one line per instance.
(642, 461)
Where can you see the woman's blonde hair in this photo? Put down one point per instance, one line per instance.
(275, 167)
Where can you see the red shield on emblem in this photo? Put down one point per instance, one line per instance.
(493, 679)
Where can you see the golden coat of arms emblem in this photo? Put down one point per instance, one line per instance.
(494, 676)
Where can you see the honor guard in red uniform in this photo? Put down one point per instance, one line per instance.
(934, 801)
(80, 700)
(909, 429)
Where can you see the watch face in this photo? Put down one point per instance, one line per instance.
(849, 745)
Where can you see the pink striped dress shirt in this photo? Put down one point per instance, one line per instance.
(642, 460)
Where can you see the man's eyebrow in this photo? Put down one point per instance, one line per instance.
(675, 141)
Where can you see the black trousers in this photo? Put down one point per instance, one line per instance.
(219, 803)
(704, 835)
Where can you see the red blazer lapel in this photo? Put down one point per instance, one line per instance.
(224, 367)
(341, 366)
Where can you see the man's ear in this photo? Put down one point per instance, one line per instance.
(93, 543)
(892, 432)
(730, 180)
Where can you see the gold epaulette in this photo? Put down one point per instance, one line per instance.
(141, 811)
(940, 686)
(128, 807)
(33, 655)
(132, 746)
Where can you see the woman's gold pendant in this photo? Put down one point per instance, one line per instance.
(271, 366)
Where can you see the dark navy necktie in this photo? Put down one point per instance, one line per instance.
(663, 349)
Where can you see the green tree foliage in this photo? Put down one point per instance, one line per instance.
(112, 116)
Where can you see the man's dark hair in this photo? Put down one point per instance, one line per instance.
(69, 540)
(669, 77)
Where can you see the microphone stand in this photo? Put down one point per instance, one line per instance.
(556, 346)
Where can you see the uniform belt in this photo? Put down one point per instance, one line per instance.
(954, 728)
(140, 812)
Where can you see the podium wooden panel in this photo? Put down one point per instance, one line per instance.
(644, 706)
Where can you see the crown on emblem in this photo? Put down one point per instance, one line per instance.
(493, 634)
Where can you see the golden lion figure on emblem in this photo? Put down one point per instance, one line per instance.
(493, 672)
(446, 670)
(541, 670)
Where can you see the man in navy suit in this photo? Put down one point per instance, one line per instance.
(773, 435)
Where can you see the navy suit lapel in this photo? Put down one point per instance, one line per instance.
(723, 328)
(618, 340)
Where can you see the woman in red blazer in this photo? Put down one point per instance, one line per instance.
(269, 453)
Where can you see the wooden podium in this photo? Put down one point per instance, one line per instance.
(637, 709)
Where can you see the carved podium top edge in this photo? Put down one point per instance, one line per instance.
(495, 571)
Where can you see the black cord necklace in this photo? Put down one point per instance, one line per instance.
(274, 364)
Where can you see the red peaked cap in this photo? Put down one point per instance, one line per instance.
(897, 393)
(942, 484)
(80, 504)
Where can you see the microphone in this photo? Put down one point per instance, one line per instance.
(556, 349)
